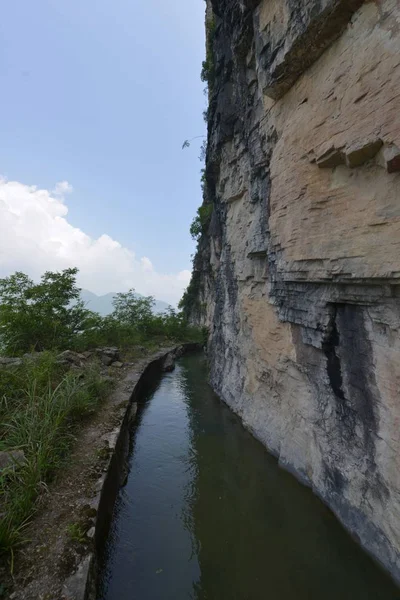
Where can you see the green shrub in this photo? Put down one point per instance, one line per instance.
(76, 533)
(201, 221)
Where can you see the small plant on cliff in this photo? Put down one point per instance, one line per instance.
(203, 151)
(208, 67)
(201, 221)
(190, 302)
(187, 143)
(203, 180)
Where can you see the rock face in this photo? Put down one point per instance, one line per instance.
(298, 273)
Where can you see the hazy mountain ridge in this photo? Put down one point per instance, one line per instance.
(104, 304)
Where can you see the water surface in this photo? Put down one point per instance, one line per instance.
(207, 513)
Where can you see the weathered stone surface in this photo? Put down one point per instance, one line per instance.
(169, 363)
(75, 588)
(10, 362)
(11, 459)
(292, 35)
(298, 275)
(32, 355)
(389, 158)
(73, 358)
(107, 355)
(331, 158)
(106, 360)
(361, 152)
(111, 352)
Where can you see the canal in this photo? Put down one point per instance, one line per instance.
(207, 514)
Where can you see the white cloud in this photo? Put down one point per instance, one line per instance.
(35, 236)
(147, 265)
(62, 188)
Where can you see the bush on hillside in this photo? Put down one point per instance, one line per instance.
(40, 316)
(51, 316)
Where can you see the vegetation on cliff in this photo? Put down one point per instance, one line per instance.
(201, 221)
(208, 67)
(190, 303)
(190, 299)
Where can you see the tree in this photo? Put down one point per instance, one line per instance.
(40, 316)
(131, 309)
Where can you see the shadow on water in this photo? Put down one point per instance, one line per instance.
(207, 513)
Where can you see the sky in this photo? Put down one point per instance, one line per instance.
(97, 99)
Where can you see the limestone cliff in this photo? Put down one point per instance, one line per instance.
(297, 273)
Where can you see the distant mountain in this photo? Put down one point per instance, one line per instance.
(104, 304)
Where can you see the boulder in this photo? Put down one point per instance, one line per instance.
(118, 364)
(111, 352)
(107, 355)
(73, 358)
(11, 459)
(10, 362)
(32, 355)
(106, 360)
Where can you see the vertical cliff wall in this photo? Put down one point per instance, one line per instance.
(297, 273)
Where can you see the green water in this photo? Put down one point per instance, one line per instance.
(207, 513)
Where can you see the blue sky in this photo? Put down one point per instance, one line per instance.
(101, 95)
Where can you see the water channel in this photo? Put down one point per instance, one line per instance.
(207, 514)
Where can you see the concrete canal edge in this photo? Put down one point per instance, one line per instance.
(82, 585)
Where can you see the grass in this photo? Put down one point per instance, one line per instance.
(76, 533)
(40, 406)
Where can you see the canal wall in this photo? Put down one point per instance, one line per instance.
(297, 273)
(82, 585)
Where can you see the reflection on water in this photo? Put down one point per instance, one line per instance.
(207, 514)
